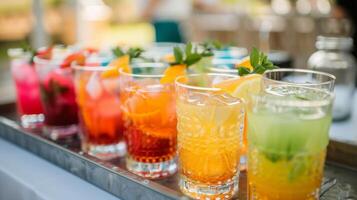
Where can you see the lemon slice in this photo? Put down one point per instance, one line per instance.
(241, 87)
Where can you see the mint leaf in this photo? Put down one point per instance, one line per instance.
(254, 57)
(259, 69)
(132, 52)
(118, 52)
(178, 55)
(260, 63)
(188, 49)
(217, 45)
(190, 55)
(213, 45)
(192, 59)
(243, 71)
(273, 157)
(298, 168)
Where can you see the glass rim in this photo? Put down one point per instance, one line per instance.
(92, 68)
(330, 76)
(165, 44)
(223, 70)
(131, 74)
(200, 88)
(52, 61)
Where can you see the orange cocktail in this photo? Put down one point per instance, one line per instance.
(99, 112)
(150, 121)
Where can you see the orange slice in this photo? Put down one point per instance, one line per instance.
(172, 72)
(122, 62)
(245, 62)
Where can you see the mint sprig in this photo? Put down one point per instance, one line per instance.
(259, 62)
(190, 55)
(27, 48)
(132, 52)
(213, 45)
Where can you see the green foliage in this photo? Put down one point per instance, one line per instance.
(259, 62)
(190, 55)
(132, 52)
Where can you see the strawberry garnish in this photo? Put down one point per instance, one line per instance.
(45, 53)
(91, 50)
(77, 58)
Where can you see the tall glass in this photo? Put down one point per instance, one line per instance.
(210, 124)
(29, 106)
(101, 123)
(149, 112)
(58, 98)
(288, 134)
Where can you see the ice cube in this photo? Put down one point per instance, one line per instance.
(148, 82)
(154, 88)
(311, 113)
(225, 107)
(93, 86)
(197, 98)
(111, 85)
(223, 99)
(23, 72)
(218, 79)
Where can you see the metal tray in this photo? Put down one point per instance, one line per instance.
(112, 176)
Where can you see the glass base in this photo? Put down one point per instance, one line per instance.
(199, 190)
(106, 152)
(152, 170)
(32, 121)
(60, 132)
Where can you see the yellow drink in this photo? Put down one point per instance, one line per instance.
(209, 143)
(286, 180)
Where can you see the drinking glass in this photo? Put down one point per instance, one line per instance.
(231, 53)
(300, 77)
(225, 66)
(58, 98)
(161, 51)
(100, 116)
(149, 111)
(210, 125)
(288, 134)
(29, 106)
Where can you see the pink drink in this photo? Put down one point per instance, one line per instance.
(29, 105)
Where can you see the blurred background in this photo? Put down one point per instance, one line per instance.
(287, 27)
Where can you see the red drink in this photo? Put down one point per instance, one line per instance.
(101, 121)
(58, 98)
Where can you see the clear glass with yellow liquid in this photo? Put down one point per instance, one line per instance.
(210, 125)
